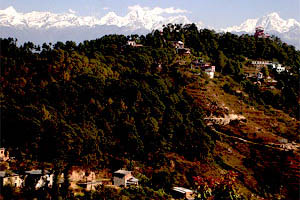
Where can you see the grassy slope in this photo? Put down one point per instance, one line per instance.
(263, 126)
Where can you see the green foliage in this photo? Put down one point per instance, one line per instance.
(101, 103)
(91, 105)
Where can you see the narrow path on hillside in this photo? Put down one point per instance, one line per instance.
(254, 143)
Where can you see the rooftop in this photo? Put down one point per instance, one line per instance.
(181, 189)
(36, 172)
(121, 171)
(7, 174)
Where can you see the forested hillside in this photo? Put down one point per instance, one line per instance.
(103, 104)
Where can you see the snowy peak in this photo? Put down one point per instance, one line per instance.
(288, 30)
(45, 26)
(274, 15)
(9, 11)
(271, 22)
(137, 18)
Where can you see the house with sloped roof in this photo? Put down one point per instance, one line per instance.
(124, 178)
(209, 70)
(11, 179)
(182, 193)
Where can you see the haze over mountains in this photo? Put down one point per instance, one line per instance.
(40, 27)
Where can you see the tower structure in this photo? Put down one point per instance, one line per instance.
(260, 33)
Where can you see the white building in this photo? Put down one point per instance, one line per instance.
(133, 43)
(182, 193)
(209, 70)
(278, 67)
(260, 62)
(9, 178)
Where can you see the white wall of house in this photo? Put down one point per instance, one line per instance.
(14, 181)
(210, 74)
(44, 180)
(119, 181)
(279, 68)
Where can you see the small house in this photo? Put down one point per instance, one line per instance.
(39, 177)
(280, 69)
(277, 67)
(11, 179)
(124, 178)
(133, 43)
(4, 154)
(182, 193)
(209, 70)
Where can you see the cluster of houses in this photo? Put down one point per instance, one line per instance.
(254, 72)
(178, 45)
(271, 65)
(79, 179)
(40, 178)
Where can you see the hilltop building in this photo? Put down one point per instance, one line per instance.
(133, 43)
(260, 33)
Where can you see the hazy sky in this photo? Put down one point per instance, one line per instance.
(216, 13)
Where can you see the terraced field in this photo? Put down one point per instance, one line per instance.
(263, 148)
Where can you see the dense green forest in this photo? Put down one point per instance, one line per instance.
(102, 104)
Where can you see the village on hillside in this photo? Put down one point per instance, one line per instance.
(260, 72)
(81, 179)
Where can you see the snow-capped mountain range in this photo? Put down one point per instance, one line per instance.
(287, 30)
(137, 17)
(42, 27)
